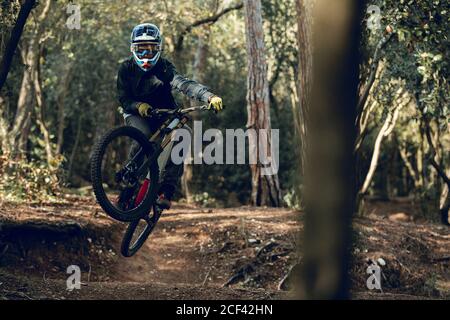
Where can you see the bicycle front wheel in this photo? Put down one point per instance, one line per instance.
(122, 191)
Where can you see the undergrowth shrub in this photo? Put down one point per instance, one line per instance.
(24, 180)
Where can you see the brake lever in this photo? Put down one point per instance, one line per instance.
(206, 107)
(155, 112)
(215, 111)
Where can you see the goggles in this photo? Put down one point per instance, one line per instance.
(146, 50)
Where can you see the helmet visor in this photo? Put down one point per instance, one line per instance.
(146, 50)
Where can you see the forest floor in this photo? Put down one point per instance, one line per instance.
(201, 253)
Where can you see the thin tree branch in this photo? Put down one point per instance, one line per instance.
(433, 161)
(409, 166)
(208, 20)
(373, 68)
(44, 12)
(385, 131)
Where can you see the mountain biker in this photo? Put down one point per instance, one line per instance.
(144, 82)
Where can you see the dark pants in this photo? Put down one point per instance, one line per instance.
(171, 174)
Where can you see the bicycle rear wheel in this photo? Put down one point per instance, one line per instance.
(137, 233)
(116, 179)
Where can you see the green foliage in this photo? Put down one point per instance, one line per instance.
(9, 10)
(292, 199)
(204, 200)
(415, 61)
(22, 180)
(419, 56)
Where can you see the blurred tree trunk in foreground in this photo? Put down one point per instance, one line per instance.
(265, 188)
(330, 191)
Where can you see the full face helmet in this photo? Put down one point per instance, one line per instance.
(146, 43)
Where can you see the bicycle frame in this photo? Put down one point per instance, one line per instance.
(177, 120)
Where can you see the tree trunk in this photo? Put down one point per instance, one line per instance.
(198, 72)
(329, 184)
(385, 130)
(444, 205)
(413, 173)
(16, 33)
(5, 147)
(305, 73)
(22, 142)
(66, 77)
(24, 103)
(26, 93)
(40, 117)
(75, 148)
(265, 188)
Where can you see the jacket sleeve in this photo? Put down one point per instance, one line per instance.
(188, 87)
(124, 91)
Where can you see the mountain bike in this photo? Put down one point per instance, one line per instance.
(125, 172)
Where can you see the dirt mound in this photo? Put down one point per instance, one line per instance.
(43, 240)
(415, 256)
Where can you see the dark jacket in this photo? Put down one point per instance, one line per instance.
(155, 86)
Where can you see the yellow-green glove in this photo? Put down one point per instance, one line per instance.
(215, 103)
(144, 109)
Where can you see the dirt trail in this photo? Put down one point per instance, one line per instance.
(192, 246)
(194, 251)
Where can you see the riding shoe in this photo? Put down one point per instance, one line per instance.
(163, 202)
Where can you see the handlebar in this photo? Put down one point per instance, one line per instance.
(179, 110)
(171, 111)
